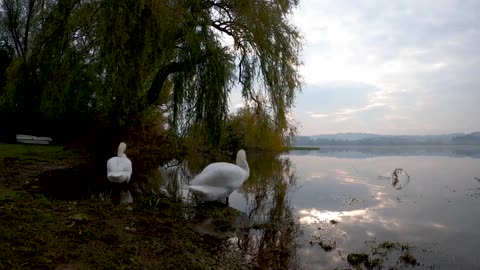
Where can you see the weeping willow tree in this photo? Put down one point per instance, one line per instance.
(252, 127)
(120, 59)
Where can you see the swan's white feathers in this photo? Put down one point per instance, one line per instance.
(221, 174)
(218, 180)
(119, 169)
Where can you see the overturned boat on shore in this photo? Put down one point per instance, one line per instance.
(33, 139)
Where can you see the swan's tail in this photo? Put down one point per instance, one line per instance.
(121, 150)
(118, 177)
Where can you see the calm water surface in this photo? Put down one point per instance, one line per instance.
(436, 212)
(353, 200)
(311, 209)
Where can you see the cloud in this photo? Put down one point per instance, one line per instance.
(319, 115)
(362, 109)
(345, 114)
(409, 61)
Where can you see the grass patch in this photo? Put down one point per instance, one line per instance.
(358, 259)
(327, 245)
(408, 258)
(388, 245)
(33, 152)
(22, 163)
(384, 255)
(42, 231)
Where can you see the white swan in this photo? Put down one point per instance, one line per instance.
(218, 180)
(119, 168)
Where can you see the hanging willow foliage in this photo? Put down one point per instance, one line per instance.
(117, 58)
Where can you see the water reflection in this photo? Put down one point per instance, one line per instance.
(435, 216)
(81, 182)
(259, 225)
(121, 195)
(313, 210)
(87, 181)
(260, 222)
(472, 151)
(272, 241)
(167, 179)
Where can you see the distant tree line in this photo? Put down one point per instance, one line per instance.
(469, 139)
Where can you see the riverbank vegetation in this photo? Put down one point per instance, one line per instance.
(157, 75)
(94, 73)
(58, 214)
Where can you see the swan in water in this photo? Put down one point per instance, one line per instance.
(218, 180)
(119, 168)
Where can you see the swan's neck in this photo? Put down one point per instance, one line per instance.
(121, 150)
(244, 165)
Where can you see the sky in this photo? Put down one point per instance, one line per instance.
(389, 67)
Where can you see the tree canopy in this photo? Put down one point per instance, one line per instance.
(120, 59)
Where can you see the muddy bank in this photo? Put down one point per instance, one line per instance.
(50, 220)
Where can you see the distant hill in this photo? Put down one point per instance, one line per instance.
(472, 138)
(358, 139)
(346, 136)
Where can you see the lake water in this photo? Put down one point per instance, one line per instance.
(435, 211)
(404, 207)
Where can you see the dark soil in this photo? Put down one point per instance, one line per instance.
(50, 220)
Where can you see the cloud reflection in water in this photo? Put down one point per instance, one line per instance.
(288, 202)
(426, 214)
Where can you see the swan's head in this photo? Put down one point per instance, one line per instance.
(241, 156)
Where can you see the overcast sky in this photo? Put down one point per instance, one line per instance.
(389, 67)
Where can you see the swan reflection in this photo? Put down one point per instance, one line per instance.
(259, 224)
(120, 194)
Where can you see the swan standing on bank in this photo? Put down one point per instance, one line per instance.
(119, 168)
(218, 180)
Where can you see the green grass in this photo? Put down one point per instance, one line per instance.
(22, 163)
(35, 152)
(38, 232)
(42, 232)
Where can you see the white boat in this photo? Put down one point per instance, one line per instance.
(33, 139)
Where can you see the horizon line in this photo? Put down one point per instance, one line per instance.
(380, 134)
